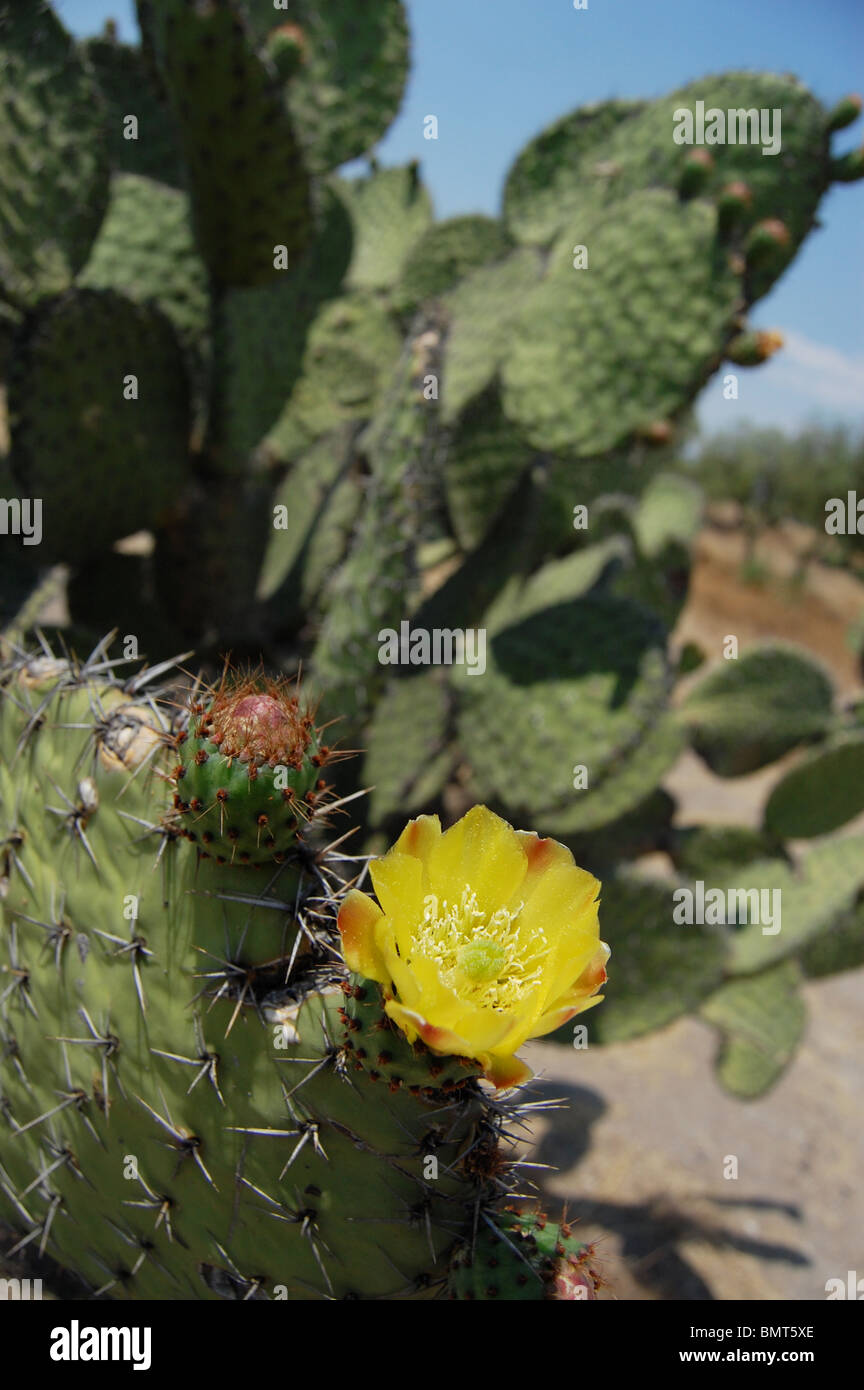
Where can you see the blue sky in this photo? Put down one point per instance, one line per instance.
(495, 72)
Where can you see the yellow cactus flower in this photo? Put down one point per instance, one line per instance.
(486, 936)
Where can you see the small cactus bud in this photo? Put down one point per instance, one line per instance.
(733, 203)
(286, 49)
(848, 167)
(844, 113)
(767, 241)
(697, 170)
(749, 349)
(656, 432)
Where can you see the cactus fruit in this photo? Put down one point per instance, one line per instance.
(696, 172)
(751, 349)
(248, 777)
(523, 1253)
(848, 168)
(844, 113)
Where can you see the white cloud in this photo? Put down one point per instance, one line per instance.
(826, 376)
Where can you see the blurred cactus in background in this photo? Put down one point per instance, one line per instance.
(334, 417)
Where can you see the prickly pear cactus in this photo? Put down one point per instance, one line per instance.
(198, 1099)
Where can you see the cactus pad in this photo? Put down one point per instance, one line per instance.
(80, 441)
(54, 166)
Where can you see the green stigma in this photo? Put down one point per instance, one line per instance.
(482, 960)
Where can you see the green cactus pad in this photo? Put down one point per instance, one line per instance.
(559, 581)
(624, 785)
(717, 851)
(375, 586)
(445, 253)
(145, 249)
(260, 337)
(644, 829)
(347, 72)
(527, 1258)
(761, 1021)
(640, 152)
(315, 508)
(248, 774)
(670, 509)
(821, 793)
(127, 89)
(481, 313)
(104, 465)
(248, 183)
(662, 970)
(407, 753)
(579, 683)
(841, 948)
(351, 350)
(54, 165)
(601, 352)
(483, 463)
(390, 210)
(814, 898)
(181, 1117)
(750, 711)
(562, 169)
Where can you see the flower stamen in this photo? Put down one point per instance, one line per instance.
(488, 959)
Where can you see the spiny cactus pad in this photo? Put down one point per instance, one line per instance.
(390, 210)
(445, 253)
(749, 712)
(54, 165)
(260, 336)
(97, 378)
(598, 352)
(126, 85)
(247, 180)
(761, 1019)
(146, 250)
(553, 176)
(542, 695)
(347, 71)
(313, 513)
(189, 1106)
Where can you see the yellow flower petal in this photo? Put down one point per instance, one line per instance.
(415, 1026)
(504, 1072)
(418, 837)
(582, 994)
(398, 880)
(556, 1018)
(480, 851)
(358, 916)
